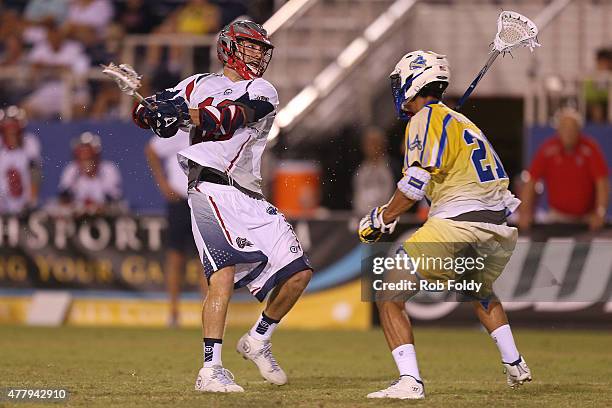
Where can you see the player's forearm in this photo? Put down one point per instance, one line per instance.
(398, 205)
(528, 198)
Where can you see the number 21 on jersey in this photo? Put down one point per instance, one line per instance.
(481, 162)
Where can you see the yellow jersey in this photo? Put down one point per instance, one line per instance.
(466, 173)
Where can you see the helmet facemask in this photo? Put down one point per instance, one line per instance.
(399, 95)
(252, 58)
(244, 47)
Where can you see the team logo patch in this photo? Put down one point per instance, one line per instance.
(416, 183)
(272, 210)
(227, 92)
(417, 63)
(243, 242)
(416, 144)
(293, 249)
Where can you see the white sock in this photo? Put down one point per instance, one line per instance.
(263, 328)
(505, 343)
(212, 352)
(405, 359)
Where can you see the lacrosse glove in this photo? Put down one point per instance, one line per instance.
(372, 227)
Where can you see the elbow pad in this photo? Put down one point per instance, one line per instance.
(222, 121)
(414, 182)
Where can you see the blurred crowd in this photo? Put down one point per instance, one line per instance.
(48, 47)
(597, 86)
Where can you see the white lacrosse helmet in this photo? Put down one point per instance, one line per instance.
(415, 70)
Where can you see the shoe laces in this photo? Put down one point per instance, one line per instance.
(223, 375)
(266, 352)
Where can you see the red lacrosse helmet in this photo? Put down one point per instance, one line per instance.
(12, 124)
(244, 46)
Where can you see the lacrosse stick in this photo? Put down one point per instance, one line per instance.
(127, 79)
(513, 30)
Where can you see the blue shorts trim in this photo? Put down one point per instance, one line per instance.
(295, 266)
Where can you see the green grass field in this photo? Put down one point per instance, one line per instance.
(154, 367)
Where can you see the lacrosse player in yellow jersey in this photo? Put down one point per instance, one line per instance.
(450, 162)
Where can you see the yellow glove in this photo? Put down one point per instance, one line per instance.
(372, 227)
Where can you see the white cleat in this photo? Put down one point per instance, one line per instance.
(260, 352)
(406, 387)
(517, 373)
(216, 379)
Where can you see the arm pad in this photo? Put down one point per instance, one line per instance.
(222, 120)
(414, 182)
(229, 116)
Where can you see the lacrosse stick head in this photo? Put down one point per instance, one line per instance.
(124, 75)
(514, 30)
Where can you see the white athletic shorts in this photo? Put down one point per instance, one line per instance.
(231, 228)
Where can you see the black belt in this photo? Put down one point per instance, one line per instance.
(488, 216)
(199, 173)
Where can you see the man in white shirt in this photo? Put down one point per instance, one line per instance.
(50, 60)
(88, 20)
(172, 183)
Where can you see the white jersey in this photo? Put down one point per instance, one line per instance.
(16, 176)
(240, 155)
(84, 190)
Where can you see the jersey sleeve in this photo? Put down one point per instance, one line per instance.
(422, 142)
(183, 89)
(262, 90)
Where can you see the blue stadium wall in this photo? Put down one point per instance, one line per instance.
(124, 144)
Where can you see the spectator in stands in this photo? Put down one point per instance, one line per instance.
(11, 29)
(136, 17)
(196, 17)
(373, 181)
(51, 61)
(89, 184)
(575, 174)
(172, 183)
(11, 51)
(88, 20)
(39, 13)
(108, 96)
(19, 163)
(596, 87)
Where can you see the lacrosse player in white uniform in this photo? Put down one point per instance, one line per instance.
(19, 163)
(88, 183)
(242, 239)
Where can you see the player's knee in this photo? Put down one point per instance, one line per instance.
(300, 280)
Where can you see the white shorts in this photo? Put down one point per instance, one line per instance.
(233, 229)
